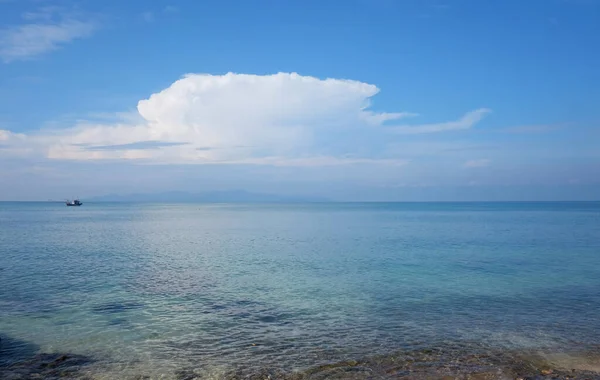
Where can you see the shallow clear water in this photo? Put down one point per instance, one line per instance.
(152, 289)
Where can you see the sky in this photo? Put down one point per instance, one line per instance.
(367, 100)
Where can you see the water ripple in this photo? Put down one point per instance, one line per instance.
(233, 291)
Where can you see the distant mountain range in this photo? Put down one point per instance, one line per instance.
(231, 196)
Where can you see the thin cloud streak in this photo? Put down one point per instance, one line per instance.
(465, 122)
(481, 163)
(22, 42)
(140, 145)
(532, 129)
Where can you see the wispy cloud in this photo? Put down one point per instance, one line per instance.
(42, 14)
(440, 7)
(481, 163)
(465, 122)
(140, 145)
(541, 128)
(317, 161)
(581, 2)
(151, 16)
(148, 16)
(468, 148)
(171, 9)
(46, 29)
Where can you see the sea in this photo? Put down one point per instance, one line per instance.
(315, 290)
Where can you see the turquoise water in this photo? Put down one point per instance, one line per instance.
(152, 289)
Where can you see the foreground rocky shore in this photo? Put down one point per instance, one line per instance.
(441, 363)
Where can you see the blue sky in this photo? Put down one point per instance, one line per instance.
(354, 100)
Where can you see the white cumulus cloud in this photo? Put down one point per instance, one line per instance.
(279, 119)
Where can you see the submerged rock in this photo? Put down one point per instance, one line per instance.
(447, 363)
(47, 366)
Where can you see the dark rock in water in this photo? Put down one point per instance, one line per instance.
(53, 363)
(116, 307)
(117, 321)
(47, 366)
(267, 318)
(13, 350)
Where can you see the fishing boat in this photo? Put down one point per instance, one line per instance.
(74, 202)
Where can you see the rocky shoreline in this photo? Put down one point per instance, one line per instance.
(47, 366)
(440, 363)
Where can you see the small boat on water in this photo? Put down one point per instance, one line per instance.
(75, 202)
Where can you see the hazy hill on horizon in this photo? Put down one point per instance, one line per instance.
(237, 196)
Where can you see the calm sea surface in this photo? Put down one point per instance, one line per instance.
(157, 289)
